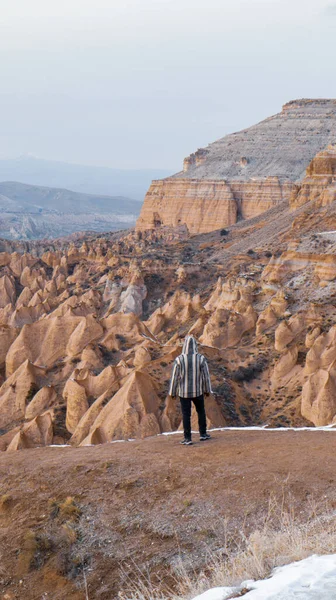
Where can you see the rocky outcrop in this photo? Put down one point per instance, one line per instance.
(35, 433)
(205, 205)
(132, 412)
(15, 394)
(245, 173)
(319, 391)
(126, 296)
(290, 263)
(319, 185)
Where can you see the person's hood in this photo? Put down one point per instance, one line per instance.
(190, 345)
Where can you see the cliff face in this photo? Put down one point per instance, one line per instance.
(201, 205)
(244, 173)
(205, 205)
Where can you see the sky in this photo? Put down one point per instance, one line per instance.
(143, 83)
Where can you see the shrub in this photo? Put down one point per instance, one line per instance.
(250, 372)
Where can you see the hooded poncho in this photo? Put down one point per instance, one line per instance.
(190, 376)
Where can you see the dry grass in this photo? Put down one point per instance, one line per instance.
(281, 539)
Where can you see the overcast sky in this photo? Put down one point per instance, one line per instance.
(142, 83)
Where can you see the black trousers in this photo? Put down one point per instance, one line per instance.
(186, 414)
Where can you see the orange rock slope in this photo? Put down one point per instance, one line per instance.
(205, 205)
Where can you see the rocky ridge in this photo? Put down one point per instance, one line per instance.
(244, 173)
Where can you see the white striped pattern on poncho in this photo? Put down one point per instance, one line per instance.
(190, 377)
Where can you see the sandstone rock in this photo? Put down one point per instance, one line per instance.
(15, 394)
(126, 414)
(319, 397)
(142, 356)
(287, 331)
(44, 399)
(289, 263)
(45, 341)
(225, 328)
(83, 427)
(179, 309)
(95, 437)
(269, 316)
(24, 298)
(7, 291)
(112, 293)
(131, 299)
(266, 319)
(30, 276)
(5, 259)
(76, 404)
(20, 261)
(255, 197)
(106, 382)
(25, 315)
(201, 206)
(131, 327)
(312, 336)
(319, 185)
(318, 394)
(322, 354)
(285, 365)
(38, 432)
(128, 301)
(91, 358)
(231, 295)
(7, 337)
(5, 314)
(87, 330)
(6, 438)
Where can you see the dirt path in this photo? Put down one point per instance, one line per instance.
(145, 505)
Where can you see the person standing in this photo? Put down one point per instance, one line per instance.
(190, 381)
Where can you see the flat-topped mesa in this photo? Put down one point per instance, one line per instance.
(242, 174)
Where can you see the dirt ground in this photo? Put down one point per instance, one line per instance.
(117, 511)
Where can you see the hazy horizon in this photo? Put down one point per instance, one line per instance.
(126, 86)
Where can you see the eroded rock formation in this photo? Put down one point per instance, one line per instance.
(249, 172)
(89, 330)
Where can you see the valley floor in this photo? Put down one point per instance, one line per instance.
(123, 511)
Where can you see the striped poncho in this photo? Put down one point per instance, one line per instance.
(190, 377)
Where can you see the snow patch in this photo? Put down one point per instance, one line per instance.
(313, 578)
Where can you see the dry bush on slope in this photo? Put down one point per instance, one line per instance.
(280, 540)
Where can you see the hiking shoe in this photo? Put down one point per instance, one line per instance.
(186, 442)
(204, 437)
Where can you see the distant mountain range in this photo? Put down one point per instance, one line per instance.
(35, 212)
(80, 178)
